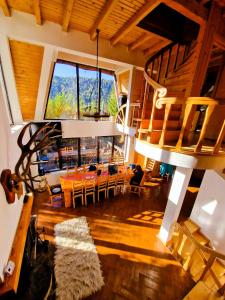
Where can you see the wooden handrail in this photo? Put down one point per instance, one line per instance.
(213, 255)
(219, 139)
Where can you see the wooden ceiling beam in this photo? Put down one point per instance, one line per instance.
(107, 9)
(67, 15)
(136, 44)
(190, 9)
(137, 17)
(155, 47)
(5, 8)
(37, 11)
(219, 40)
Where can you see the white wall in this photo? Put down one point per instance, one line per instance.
(9, 213)
(76, 128)
(209, 209)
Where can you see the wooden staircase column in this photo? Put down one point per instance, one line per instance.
(166, 117)
(187, 113)
(208, 114)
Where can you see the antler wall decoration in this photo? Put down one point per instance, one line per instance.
(41, 138)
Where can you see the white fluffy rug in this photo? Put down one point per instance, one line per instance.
(77, 266)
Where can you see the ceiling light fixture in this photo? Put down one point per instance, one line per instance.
(97, 115)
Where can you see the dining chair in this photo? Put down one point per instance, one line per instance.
(120, 183)
(55, 192)
(111, 184)
(137, 189)
(78, 189)
(89, 189)
(101, 186)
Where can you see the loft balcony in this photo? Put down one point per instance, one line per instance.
(173, 129)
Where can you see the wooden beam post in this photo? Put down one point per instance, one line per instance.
(190, 9)
(141, 13)
(37, 11)
(5, 8)
(67, 15)
(205, 45)
(107, 9)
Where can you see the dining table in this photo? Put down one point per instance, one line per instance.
(68, 179)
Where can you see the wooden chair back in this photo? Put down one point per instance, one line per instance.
(77, 187)
(101, 182)
(89, 185)
(120, 179)
(112, 180)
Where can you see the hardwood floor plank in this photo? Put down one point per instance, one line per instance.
(135, 264)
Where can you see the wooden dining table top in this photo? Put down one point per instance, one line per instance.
(83, 176)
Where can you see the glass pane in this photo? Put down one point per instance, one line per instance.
(88, 91)
(118, 152)
(108, 95)
(68, 151)
(62, 101)
(50, 155)
(88, 150)
(105, 149)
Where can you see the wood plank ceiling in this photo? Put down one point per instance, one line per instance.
(116, 19)
(27, 62)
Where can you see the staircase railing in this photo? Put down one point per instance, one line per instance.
(181, 237)
(160, 131)
(134, 114)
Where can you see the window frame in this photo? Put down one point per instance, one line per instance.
(79, 152)
(86, 67)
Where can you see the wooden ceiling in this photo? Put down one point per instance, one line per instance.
(27, 62)
(116, 19)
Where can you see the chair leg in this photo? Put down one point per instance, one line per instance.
(85, 200)
(94, 198)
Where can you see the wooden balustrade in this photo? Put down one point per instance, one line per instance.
(207, 254)
(158, 92)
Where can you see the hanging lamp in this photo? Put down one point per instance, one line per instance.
(97, 115)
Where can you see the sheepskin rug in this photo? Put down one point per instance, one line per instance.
(77, 266)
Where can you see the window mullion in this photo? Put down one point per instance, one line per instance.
(78, 92)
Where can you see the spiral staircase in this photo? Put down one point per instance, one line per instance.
(164, 118)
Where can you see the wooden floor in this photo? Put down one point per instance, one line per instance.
(135, 264)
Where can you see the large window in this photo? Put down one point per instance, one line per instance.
(67, 153)
(77, 89)
(88, 150)
(62, 100)
(105, 148)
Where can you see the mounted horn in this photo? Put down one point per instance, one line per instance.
(41, 138)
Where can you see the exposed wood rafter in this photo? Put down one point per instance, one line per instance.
(143, 12)
(136, 44)
(190, 9)
(67, 15)
(219, 40)
(37, 11)
(156, 47)
(107, 9)
(5, 8)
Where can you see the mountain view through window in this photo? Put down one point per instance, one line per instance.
(74, 91)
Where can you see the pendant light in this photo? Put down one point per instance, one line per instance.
(97, 115)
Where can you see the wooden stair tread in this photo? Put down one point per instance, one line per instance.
(218, 268)
(158, 124)
(201, 238)
(192, 226)
(202, 292)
